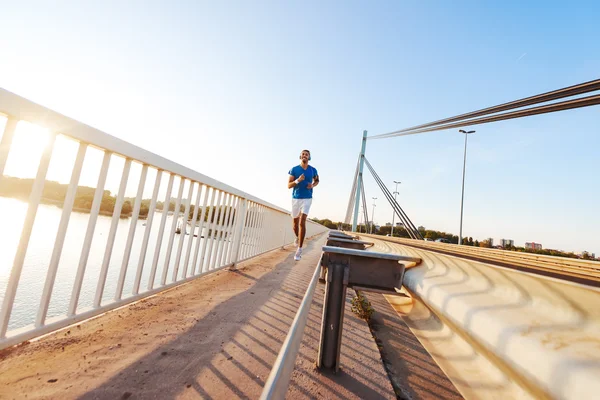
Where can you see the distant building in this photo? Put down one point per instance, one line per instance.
(507, 242)
(533, 246)
(399, 224)
(586, 254)
(388, 224)
(491, 242)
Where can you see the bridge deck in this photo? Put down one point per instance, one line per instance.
(216, 337)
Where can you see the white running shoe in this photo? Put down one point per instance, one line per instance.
(297, 241)
(298, 255)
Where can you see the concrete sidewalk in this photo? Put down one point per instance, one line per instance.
(215, 338)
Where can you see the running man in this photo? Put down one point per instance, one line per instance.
(302, 178)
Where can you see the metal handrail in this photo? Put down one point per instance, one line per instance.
(279, 378)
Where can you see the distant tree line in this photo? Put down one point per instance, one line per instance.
(55, 193)
(215, 214)
(435, 235)
(329, 224)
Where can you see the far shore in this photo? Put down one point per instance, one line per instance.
(59, 204)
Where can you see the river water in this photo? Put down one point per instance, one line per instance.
(12, 215)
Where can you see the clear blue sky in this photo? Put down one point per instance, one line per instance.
(236, 89)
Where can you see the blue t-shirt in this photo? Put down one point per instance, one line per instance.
(300, 191)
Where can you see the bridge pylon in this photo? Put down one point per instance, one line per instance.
(361, 162)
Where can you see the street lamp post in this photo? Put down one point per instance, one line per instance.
(462, 198)
(362, 213)
(394, 212)
(373, 215)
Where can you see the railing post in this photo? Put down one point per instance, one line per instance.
(248, 236)
(149, 219)
(184, 220)
(19, 260)
(176, 212)
(260, 239)
(60, 236)
(131, 235)
(200, 237)
(209, 218)
(112, 233)
(239, 229)
(221, 243)
(5, 144)
(161, 232)
(227, 241)
(89, 234)
(192, 230)
(213, 227)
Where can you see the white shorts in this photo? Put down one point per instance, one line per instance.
(300, 206)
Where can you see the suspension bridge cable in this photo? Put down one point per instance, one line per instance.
(408, 225)
(561, 106)
(582, 88)
(383, 189)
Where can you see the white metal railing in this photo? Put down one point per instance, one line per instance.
(238, 225)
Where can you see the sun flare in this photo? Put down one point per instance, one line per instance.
(28, 144)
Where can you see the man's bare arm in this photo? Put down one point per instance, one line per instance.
(293, 181)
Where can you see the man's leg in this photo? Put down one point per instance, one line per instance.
(295, 225)
(302, 229)
(296, 213)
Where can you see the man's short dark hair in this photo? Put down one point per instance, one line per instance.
(308, 151)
